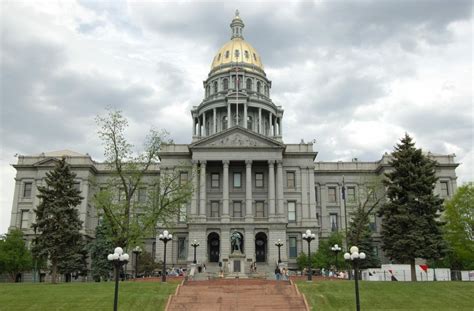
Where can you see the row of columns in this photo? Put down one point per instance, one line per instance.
(275, 202)
(275, 122)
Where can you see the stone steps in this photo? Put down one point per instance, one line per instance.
(237, 294)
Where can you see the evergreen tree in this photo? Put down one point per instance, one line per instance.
(410, 225)
(14, 255)
(459, 229)
(325, 257)
(57, 223)
(360, 235)
(100, 248)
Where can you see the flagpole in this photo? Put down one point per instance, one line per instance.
(237, 87)
(345, 218)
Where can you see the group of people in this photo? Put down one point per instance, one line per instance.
(281, 273)
(253, 267)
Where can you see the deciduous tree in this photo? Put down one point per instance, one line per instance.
(14, 255)
(459, 229)
(131, 220)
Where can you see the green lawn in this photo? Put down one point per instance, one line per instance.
(340, 295)
(84, 296)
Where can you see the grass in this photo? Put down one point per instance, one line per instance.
(85, 296)
(340, 295)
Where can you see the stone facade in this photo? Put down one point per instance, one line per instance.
(245, 178)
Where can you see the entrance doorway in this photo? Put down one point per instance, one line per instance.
(213, 245)
(261, 247)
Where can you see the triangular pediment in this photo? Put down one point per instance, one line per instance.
(237, 137)
(47, 162)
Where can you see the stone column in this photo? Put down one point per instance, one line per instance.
(304, 194)
(228, 115)
(214, 122)
(245, 115)
(260, 121)
(271, 188)
(249, 245)
(270, 120)
(280, 126)
(14, 222)
(248, 190)
(312, 193)
(194, 198)
(202, 196)
(199, 126)
(204, 124)
(225, 191)
(279, 187)
(194, 126)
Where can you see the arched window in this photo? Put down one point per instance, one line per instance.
(236, 53)
(226, 84)
(215, 87)
(248, 85)
(224, 122)
(219, 57)
(259, 87)
(265, 89)
(246, 53)
(250, 123)
(227, 53)
(208, 91)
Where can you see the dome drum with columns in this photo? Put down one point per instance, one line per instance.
(237, 92)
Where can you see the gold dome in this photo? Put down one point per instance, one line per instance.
(237, 50)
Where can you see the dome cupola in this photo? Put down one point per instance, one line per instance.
(237, 91)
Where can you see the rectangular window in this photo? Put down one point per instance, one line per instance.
(333, 221)
(24, 220)
(258, 180)
(351, 194)
(27, 187)
(215, 209)
(237, 180)
(215, 180)
(182, 213)
(181, 248)
(121, 195)
(183, 178)
(290, 180)
(237, 209)
(77, 186)
(291, 211)
(332, 198)
(292, 247)
(316, 194)
(153, 250)
(259, 209)
(372, 223)
(141, 195)
(444, 189)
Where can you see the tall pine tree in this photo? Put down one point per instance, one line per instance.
(100, 248)
(57, 223)
(410, 225)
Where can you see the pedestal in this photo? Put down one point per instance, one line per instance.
(237, 265)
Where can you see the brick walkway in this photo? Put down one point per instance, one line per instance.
(237, 294)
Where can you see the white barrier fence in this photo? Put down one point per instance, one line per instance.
(403, 273)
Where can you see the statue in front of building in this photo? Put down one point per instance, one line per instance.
(236, 242)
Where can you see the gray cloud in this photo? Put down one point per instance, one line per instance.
(334, 65)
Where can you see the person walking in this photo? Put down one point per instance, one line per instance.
(277, 273)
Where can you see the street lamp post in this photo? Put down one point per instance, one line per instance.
(195, 244)
(137, 250)
(308, 237)
(165, 237)
(354, 257)
(279, 244)
(336, 249)
(118, 259)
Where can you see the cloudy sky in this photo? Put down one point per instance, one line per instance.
(354, 75)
